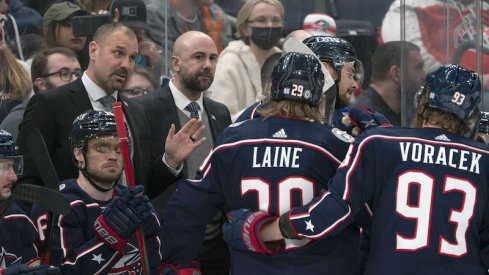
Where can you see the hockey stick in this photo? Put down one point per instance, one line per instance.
(50, 200)
(122, 134)
(42, 159)
(45, 167)
(293, 45)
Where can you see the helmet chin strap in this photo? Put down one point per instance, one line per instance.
(96, 186)
(337, 103)
(331, 100)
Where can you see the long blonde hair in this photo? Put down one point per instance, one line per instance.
(441, 118)
(293, 109)
(15, 83)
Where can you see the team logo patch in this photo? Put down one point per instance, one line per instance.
(286, 91)
(344, 136)
(7, 259)
(307, 94)
(442, 137)
(236, 124)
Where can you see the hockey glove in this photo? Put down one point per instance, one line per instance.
(242, 232)
(122, 217)
(33, 267)
(361, 119)
(186, 268)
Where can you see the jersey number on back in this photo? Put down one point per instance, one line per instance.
(421, 212)
(284, 197)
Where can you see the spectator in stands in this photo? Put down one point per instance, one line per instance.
(140, 82)
(19, 20)
(54, 67)
(384, 93)
(237, 83)
(39, 6)
(58, 30)
(50, 68)
(133, 15)
(15, 83)
(32, 44)
(94, 6)
(186, 15)
(441, 42)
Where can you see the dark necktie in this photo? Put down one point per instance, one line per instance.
(193, 107)
(107, 102)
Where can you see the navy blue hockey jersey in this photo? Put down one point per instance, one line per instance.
(77, 250)
(251, 111)
(270, 164)
(18, 237)
(428, 190)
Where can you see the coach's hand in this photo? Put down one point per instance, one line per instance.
(122, 217)
(242, 232)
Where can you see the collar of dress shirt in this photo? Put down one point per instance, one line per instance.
(181, 101)
(94, 91)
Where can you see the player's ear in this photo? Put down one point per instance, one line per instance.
(77, 152)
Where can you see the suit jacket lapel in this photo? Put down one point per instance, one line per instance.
(168, 108)
(79, 96)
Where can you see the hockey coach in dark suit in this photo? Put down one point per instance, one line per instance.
(112, 55)
(182, 99)
(193, 63)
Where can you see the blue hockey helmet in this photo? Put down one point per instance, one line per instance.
(8, 147)
(9, 150)
(484, 123)
(336, 51)
(297, 77)
(454, 89)
(92, 124)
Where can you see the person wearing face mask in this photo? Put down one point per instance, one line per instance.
(237, 82)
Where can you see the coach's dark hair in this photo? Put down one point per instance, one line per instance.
(388, 55)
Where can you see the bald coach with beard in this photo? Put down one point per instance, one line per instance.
(194, 63)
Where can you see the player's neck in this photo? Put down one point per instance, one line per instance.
(86, 186)
(427, 124)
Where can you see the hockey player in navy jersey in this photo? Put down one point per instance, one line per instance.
(97, 236)
(428, 188)
(273, 163)
(18, 234)
(340, 59)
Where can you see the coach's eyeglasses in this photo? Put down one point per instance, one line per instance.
(65, 74)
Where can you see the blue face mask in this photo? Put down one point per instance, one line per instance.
(266, 37)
